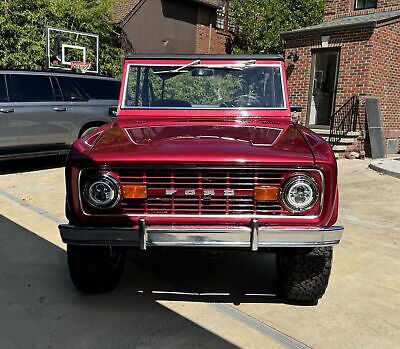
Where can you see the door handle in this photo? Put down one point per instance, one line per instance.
(112, 111)
(4, 110)
(60, 109)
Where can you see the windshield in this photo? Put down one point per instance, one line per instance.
(204, 87)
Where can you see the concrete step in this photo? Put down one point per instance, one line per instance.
(321, 131)
(339, 147)
(353, 134)
(344, 143)
(346, 140)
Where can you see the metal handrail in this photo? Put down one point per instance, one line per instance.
(344, 120)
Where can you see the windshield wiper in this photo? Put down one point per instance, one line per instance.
(240, 66)
(180, 69)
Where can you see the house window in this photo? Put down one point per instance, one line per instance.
(222, 16)
(365, 4)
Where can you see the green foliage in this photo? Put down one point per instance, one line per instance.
(202, 90)
(212, 90)
(259, 23)
(22, 30)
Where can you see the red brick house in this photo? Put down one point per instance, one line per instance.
(354, 52)
(173, 26)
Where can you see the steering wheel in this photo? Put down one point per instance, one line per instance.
(243, 101)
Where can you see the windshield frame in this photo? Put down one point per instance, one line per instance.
(232, 65)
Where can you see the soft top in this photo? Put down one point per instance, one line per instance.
(205, 57)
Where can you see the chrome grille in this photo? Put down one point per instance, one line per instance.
(221, 182)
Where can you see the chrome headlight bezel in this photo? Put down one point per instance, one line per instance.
(109, 182)
(298, 181)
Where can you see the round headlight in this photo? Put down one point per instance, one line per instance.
(102, 192)
(299, 193)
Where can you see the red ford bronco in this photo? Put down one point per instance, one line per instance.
(203, 154)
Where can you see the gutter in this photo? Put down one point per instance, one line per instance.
(332, 28)
(326, 30)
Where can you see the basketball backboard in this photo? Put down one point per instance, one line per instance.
(66, 46)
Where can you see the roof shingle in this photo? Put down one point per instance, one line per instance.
(124, 7)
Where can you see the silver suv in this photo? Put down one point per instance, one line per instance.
(42, 113)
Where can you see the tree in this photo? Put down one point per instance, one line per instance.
(22, 30)
(259, 23)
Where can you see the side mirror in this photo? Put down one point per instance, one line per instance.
(296, 108)
(112, 111)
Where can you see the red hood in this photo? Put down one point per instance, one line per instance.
(232, 144)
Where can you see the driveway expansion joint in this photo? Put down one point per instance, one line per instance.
(49, 216)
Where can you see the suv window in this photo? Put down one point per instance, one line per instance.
(99, 89)
(30, 88)
(71, 91)
(3, 89)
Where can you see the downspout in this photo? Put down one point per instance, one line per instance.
(209, 33)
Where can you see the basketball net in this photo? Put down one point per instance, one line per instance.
(80, 67)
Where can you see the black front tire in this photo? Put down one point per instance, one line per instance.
(303, 274)
(95, 269)
(86, 131)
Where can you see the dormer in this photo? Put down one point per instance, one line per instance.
(347, 8)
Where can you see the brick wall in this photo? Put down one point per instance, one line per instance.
(369, 66)
(218, 43)
(369, 63)
(355, 62)
(343, 8)
(385, 76)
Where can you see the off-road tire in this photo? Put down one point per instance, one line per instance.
(303, 274)
(95, 269)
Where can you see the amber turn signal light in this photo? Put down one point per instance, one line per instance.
(266, 193)
(132, 191)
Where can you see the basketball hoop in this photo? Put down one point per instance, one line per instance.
(80, 67)
(72, 50)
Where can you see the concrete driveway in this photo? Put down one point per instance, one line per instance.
(209, 301)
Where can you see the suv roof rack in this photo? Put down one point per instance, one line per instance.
(54, 72)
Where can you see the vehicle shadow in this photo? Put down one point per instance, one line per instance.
(41, 309)
(195, 276)
(32, 164)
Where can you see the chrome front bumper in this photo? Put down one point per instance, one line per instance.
(253, 237)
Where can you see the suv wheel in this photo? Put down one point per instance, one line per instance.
(95, 269)
(303, 274)
(86, 131)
